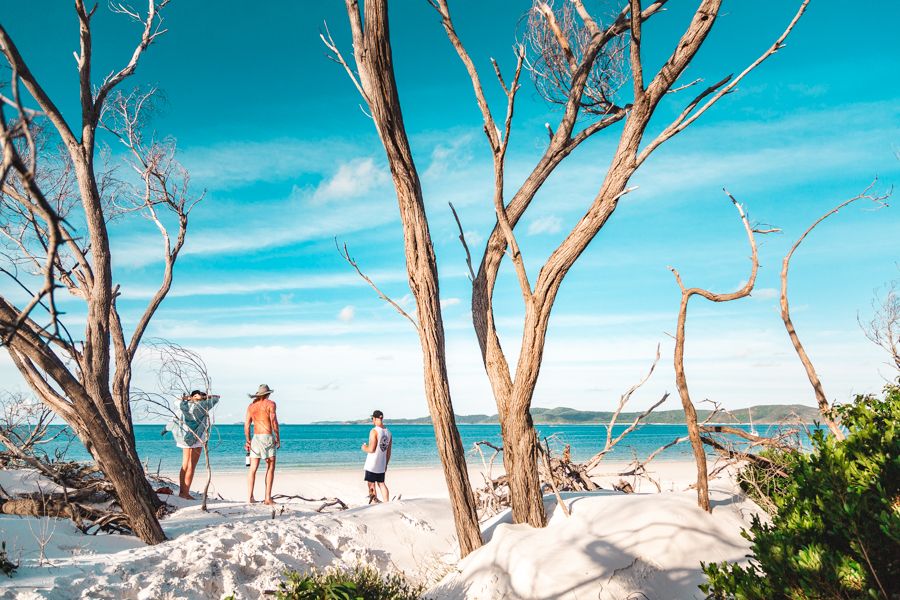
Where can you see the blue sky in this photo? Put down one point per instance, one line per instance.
(273, 131)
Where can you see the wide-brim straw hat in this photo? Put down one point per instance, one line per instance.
(263, 390)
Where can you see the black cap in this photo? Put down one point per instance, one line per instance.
(198, 393)
(377, 415)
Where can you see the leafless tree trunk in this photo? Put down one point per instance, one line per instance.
(376, 83)
(578, 63)
(690, 413)
(86, 382)
(824, 405)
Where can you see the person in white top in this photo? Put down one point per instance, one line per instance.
(378, 451)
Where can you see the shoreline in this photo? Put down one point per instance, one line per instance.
(324, 469)
(414, 482)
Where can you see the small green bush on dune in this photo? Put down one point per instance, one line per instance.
(766, 484)
(360, 583)
(835, 532)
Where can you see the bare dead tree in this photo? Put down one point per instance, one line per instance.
(690, 412)
(612, 442)
(56, 220)
(577, 56)
(372, 52)
(825, 408)
(883, 329)
(378, 87)
(556, 41)
(638, 468)
(25, 424)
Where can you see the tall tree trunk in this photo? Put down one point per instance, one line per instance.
(372, 50)
(520, 459)
(690, 414)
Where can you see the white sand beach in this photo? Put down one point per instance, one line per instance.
(612, 545)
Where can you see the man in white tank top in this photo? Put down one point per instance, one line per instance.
(378, 455)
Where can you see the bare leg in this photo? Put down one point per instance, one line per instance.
(270, 477)
(384, 492)
(184, 486)
(251, 477)
(193, 458)
(373, 494)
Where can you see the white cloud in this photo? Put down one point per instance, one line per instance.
(275, 283)
(195, 330)
(352, 179)
(285, 224)
(473, 238)
(233, 164)
(765, 293)
(347, 314)
(546, 224)
(449, 302)
(449, 156)
(337, 379)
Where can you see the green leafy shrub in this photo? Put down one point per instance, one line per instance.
(360, 583)
(765, 484)
(7, 567)
(836, 530)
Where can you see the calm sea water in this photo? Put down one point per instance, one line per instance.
(338, 446)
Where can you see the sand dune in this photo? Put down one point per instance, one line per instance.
(612, 545)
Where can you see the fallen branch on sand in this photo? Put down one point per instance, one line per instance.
(326, 502)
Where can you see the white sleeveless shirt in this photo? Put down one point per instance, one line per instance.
(376, 462)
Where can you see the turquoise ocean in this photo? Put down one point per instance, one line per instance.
(338, 446)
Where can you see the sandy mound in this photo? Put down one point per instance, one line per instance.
(613, 546)
(244, 550)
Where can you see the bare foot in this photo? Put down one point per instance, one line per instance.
(374, 500)
(268, 501)
(186, 496)
(252, 500)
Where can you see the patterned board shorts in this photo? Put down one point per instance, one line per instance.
(262, 445)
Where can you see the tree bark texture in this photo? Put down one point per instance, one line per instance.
(690, 413)
(372, 51)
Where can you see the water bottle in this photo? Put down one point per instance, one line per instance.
(247, 459)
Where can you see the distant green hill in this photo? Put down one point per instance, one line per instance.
(765, 413)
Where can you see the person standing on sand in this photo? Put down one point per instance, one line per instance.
(266, 438)
(191, 432)
(378, 451)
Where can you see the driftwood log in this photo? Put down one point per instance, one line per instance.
(561, 474)
(87, 497)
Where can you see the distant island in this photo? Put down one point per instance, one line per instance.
(762, 414)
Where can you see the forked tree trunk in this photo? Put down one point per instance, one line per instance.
(372, 50)
(520, 457)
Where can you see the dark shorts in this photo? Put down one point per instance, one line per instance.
(374, 477)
